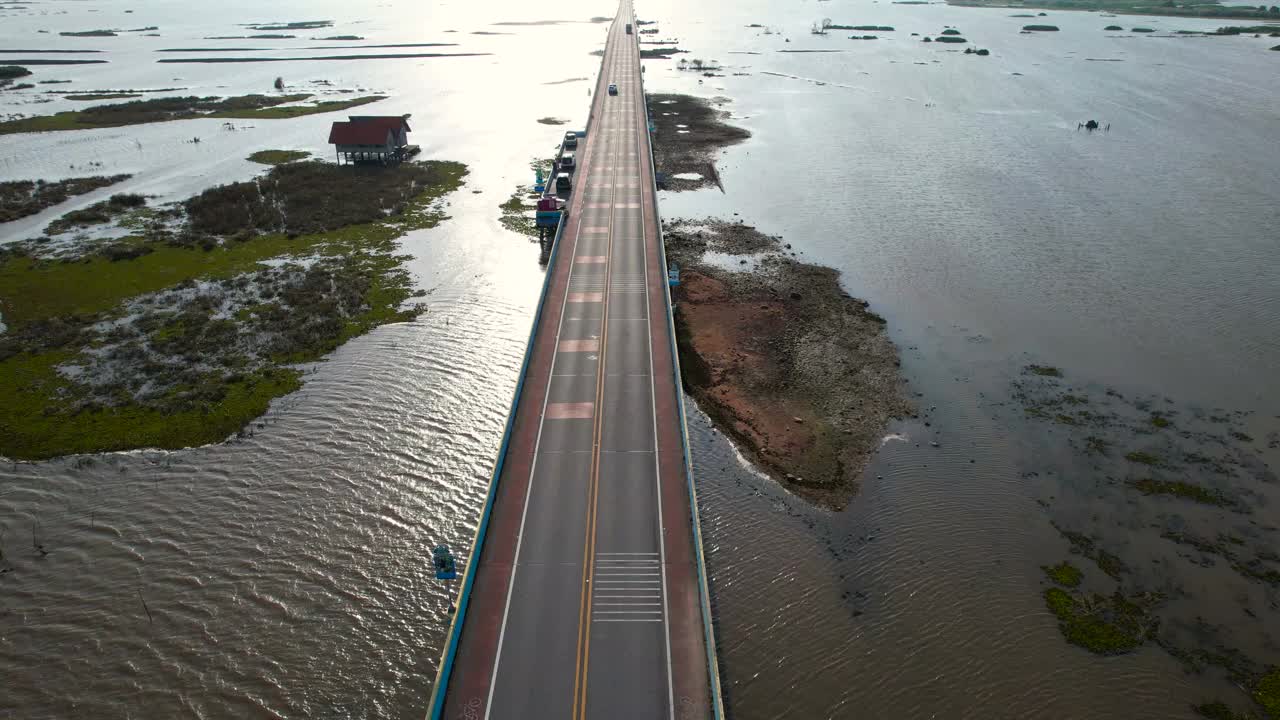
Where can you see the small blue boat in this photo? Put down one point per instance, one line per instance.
(673, 274)
(446, 568)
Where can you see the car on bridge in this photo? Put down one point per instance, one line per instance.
(613, 88)
(571, 139)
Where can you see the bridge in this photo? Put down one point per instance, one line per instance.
(585, 594)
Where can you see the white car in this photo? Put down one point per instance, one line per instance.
(613, 88)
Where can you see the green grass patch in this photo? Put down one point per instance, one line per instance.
(20, 198)
(50, 306)
(13, 72)
(98, 213)
(1064, 574)
(1102, 625)
(1204, 8)
(1180, 489)
(31, 427)
(293, 111)
(1250, 29)
(152, 110)
(101, 96)
(1160, 421)
(278, 157)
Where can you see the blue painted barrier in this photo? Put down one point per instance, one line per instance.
(473, 560)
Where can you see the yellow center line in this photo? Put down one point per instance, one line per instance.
(593, 489)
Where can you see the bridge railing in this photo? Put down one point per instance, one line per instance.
(704, 593)
(436, 708)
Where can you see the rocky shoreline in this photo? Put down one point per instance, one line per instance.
(802, 376)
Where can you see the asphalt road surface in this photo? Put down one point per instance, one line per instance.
(586, 602)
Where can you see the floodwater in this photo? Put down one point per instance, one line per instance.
(955, 193)
(288, 572)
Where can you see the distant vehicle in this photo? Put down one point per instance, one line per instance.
(567, 163)
(628, 28)
(563, 182)
(613, 88)
(571, 139)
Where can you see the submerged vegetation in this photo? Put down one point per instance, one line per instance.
(1064, 574)
(180, 108)
(1177, 500)
(1044, 370)
(20, 198)
(1104, 625)
(517, 212)
(1177, 488)
(178, 334)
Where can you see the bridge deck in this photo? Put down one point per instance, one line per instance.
(586, 600)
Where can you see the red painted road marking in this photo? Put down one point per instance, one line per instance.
(596, 229)
(590, 259)
(571, 411)
(586, 297)
(591, 345)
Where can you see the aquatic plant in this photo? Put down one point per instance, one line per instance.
(1113, 28)
(1045, 370)
(1040, 28)
(1064, 574)
(1144, 458)
(1102, 625)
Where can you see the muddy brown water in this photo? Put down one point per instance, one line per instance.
(287, 573)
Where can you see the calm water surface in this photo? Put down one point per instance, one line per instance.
(287, 573)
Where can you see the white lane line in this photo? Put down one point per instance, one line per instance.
(623, 620)
(657, 473)
(524, 513)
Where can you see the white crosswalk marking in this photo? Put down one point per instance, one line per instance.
(627, 587)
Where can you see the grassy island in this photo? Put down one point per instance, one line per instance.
(180, 333)
(152, 110)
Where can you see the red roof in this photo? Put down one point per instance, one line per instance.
(391, 122)
(352, 133)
